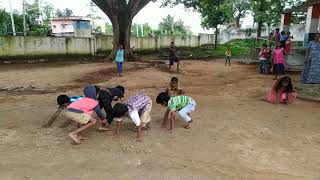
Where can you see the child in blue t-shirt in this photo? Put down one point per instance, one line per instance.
(120, 59)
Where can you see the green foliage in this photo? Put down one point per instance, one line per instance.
(169, 26)
(147, 30)
(238, 48)
(267, 11)
(240, 8)
(64, 13)
(38, 20)
(109, 30)
(5, 22)
(215, 12)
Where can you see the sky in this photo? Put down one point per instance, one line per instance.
(151, 14)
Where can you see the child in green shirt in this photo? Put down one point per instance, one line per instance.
(185, 105)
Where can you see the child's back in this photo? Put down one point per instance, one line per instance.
(86, 105)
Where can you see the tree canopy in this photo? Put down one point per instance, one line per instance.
(64, 13)
(38, 19)
(169, 26)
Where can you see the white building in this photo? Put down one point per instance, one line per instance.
(71, 26)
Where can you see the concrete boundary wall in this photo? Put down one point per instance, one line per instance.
(32, 46)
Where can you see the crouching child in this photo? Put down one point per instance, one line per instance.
(80, 112)
(138, 108)
(184, 105)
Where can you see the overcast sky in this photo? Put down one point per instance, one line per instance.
(151, 14)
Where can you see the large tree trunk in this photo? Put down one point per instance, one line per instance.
(121, 15)
(260, 22)
(238, 21)
(216, 38)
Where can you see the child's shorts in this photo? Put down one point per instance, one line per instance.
(143, 119)
(173, 60)
(145, 116)
(78, 117)
(184, 112)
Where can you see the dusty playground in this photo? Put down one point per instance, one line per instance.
(235, 135)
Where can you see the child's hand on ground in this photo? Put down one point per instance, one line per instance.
(116, 137)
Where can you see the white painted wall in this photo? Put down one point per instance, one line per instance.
(59, 27)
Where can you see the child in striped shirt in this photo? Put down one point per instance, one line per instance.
(185, 105)
(138, 108)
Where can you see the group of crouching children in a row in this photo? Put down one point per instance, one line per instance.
(138, 108)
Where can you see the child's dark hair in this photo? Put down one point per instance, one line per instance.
(119, 110)
(63, 99)
(97, 89)
(162, 98)
(174, 79)
(279, 84)
(121, 88)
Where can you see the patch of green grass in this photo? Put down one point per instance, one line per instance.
(238, 48)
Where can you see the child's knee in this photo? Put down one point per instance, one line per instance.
(93, 121)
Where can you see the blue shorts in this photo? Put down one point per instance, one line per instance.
(119, 67)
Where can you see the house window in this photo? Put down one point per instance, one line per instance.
(54, 26)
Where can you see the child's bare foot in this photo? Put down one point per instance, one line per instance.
(187, 126)
(75, 138)
(164, 128)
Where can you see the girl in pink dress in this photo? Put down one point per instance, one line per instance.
(278, 61)
(282, 91)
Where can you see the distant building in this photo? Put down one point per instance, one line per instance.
(71, 26)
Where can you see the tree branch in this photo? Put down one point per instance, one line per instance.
(141, 5)
(104, 7)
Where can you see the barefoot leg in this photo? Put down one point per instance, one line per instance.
(75, 138)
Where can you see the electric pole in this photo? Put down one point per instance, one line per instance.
(12, 20)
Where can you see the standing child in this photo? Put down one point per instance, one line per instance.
(185, 105)
(120, 59)
(282, 91)
(228, 56)
(272, 40)
(173, 57)
(278, 61)
(138, 108)
(288, 43)
(174, 88)
(263, 55)
(283, 39)
(79, 111)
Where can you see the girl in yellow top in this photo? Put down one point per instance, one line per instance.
(228, 56)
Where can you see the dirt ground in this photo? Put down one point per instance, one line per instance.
(235, 135)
